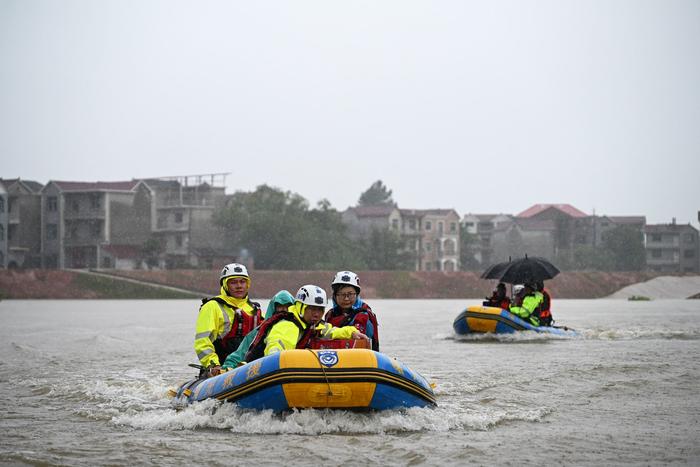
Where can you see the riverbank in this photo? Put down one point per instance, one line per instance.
(108, 284)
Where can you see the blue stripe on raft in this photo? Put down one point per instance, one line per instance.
(269, 398)
(389, 397)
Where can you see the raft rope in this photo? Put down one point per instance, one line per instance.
(330, 391)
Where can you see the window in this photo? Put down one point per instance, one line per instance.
(428, 225)
(2, 232)
(655, 237)
(51, 231)
(95, 201)
(76, 206)
(689, 254)
(453, 227)
(449, 247)
(52, 203)
(2, 204)
(96, 230)
(440, 227)
(656, 253)
(428, 247)
(178, 218)
(178, 240)
(395, 224)
(688, 238)
(412, 224)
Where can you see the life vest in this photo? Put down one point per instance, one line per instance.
(336, 317)
(257, 347)
(242, 324)
(545, 314)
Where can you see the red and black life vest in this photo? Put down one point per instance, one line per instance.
(257, 347)
(544, 312)
(242, 324)
(355, 317)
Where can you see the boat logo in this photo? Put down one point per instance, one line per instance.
(328, 357)
(253, 370)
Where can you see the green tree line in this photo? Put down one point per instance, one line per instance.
(281, 231)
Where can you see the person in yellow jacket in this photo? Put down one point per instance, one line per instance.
(526, 303)
(299, 325)
(224, 320)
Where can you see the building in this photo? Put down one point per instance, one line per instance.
(182, 219)
(79, 219)
(20, 223)
(430, 235)
(483, 226)
(672, 248)
(521, 236)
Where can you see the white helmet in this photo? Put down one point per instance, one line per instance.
(518, 288)
(346, 278)
(233, 270)
(312, 295)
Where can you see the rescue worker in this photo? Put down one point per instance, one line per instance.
(526, 303)
(499, 297)
(226, 319)
(296, 328)
(545, 314)
(278, 304)
(349, 309)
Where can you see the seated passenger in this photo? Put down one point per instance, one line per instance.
(296, 328)
(278, 304)
(545, 312)
(499, 297)
(526, 303)
(349, 309)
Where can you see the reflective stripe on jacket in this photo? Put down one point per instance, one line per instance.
(525, 311)
(285, 334)
(215, 321)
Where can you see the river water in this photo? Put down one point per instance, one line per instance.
(85, 383)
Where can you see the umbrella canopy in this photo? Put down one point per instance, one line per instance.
(522, 270)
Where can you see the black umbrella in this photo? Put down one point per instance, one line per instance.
(527, 269)
(495, 271)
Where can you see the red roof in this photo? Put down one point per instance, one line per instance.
(96, 186)
(565, 208)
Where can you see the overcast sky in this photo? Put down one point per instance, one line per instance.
(485, 107)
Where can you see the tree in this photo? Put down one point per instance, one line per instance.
(151, 251)
(281, 232)
(376, 195)
(468, 246)
(383, 251)
(625, 246)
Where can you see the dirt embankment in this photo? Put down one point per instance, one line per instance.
(58, 284)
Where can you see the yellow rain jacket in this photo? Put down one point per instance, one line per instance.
(214, 322)
(530, 303)
(285, 335)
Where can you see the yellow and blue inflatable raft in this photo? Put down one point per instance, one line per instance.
(338, 379)
(482, 319)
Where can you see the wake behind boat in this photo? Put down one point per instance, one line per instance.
(337, 379)
(480, 319)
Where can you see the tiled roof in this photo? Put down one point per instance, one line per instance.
(527, 224)
(96, 186)
(565, 208)
(661, 228)
(425, 212)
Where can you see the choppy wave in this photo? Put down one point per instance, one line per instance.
(602, 334)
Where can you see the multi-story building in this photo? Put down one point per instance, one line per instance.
(80, 219)
(430, 235)
(20, 223)
(182, 219)
(438, 238)
(523, 236)
(483, 226)
(672, 247)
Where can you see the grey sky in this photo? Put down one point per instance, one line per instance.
(487, 106)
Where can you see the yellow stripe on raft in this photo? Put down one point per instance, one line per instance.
(481, 324)
(345, 395)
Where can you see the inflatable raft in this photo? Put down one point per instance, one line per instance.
(482, 319)
(338, 379)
